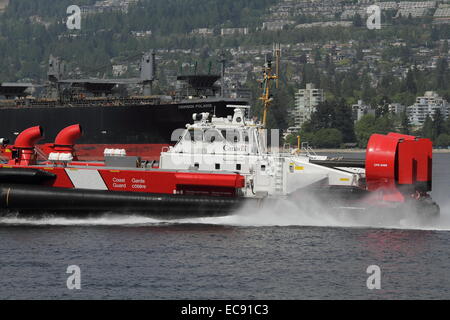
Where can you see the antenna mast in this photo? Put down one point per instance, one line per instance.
(268, 77)
(223, 62)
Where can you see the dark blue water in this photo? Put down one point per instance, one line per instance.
(269, 255)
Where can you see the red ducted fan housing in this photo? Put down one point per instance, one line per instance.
(399, 165)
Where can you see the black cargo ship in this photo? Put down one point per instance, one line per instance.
(122, 121)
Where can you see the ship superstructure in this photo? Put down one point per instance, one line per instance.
(236, 144)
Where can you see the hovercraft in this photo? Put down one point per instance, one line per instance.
(217, 166)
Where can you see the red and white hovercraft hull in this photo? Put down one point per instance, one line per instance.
(397, 174)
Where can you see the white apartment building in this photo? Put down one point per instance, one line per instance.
(442, 15)
(277, 25)
(306, 101)
(391, 5)
(427, 106)
(396, 108)
(443, 12)
(361, 109)
(413, 12)
(417, 4)
(203, 31)
(233, 31)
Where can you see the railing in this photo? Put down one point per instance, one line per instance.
(308, 150)
(88, 102)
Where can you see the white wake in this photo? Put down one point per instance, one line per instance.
(284, 214)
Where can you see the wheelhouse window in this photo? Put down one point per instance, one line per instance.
(232, 136)
(198, 135)
(213, 135)
(245, 136)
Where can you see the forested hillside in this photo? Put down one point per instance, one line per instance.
(181, 16)
(32, 29)
(163, 16)
(49, 9)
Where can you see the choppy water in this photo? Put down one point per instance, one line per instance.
(252, 255)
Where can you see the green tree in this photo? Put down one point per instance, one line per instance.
(411, 86)
(364, 129)
(447, 125)
(405, 125)
(327, 138)
(383, 106)
(344, 122)
(358, 21)
(324, 116)
(303, 59)
(443, 141)
(369, 124)
(442, 73)
(385, 124)
(445, 48)
(427, 128)
(438, 124)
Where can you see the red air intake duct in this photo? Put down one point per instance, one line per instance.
(66, 138)
(24, 153)
(29, 137)
(397, 162)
